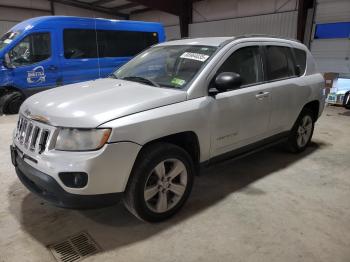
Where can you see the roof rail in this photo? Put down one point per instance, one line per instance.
(266, 35)
(245, 36)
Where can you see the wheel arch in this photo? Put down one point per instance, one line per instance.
(314, 106)
(187, 140)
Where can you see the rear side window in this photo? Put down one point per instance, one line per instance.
(279, 62)
(246, 62)
(80, 44)
(300, 59)
(124, 43)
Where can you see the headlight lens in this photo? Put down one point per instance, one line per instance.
(73, 139)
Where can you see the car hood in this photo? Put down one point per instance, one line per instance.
(92, 103)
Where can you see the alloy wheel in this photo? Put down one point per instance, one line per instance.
(165, 185)
(304, 131)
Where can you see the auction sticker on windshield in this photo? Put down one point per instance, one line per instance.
(178, 81)
(194, 56)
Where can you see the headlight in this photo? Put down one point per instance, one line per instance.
(73, 139)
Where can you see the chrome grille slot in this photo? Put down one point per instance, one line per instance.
(33, 135)
(34, 138)
(28, 134)
(22, 131)
(43, 140)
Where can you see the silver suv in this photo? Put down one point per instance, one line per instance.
(143, 133)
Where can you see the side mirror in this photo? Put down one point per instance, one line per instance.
(298, 70)
(7, 61)
(227, 80)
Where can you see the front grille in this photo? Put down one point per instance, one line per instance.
(31, 135)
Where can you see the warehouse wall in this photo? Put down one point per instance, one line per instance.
(230, 17)
(332, 55)
(11, 16)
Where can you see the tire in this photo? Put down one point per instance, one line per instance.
(302, 131)
(150, 193)
(346, 102)
(11, 102)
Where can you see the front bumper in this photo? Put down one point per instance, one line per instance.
(108, 168)
(46, 187)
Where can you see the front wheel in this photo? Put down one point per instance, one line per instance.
(11, 102)
(160, 183)
(302, 131)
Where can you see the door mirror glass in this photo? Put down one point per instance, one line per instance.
(7, 61)
(227, 81)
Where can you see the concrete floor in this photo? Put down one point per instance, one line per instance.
(271, 206)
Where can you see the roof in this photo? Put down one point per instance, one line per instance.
(217, 41)
(37, 21)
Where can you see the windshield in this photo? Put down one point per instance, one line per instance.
(7, 38)
(166, 66)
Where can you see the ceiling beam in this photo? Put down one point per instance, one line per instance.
(172, 7)
(101, 2)
(92, 7)
(126, 6)
(138, 11)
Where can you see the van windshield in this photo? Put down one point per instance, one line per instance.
(7, 39)
(166, 66)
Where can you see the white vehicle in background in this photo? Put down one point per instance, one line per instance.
(338, 94)
(142, 133)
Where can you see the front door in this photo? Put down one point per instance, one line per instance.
(35, 62)
(241, 116)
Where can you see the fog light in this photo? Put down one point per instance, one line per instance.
(74, 179)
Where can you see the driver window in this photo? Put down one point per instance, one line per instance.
(32, 49)
(246, 62)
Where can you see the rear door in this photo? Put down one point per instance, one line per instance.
(36, 61)
(282, 81)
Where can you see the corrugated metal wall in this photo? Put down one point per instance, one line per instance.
(5, 26)
(281, 24)
(332, 55)
(231, 17)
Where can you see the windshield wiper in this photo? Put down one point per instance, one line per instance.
(141, 79)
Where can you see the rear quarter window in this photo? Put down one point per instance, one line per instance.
(280, 63)
(300, 59)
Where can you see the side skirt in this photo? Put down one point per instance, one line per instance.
(248, 149)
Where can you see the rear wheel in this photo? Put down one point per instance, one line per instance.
(11, 102)
(302, 131)
(160, 183)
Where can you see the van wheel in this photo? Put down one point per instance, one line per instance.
(11, 102)
(302, 131)
(346, 102)
(160, 183)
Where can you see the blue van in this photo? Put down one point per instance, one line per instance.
(51, 51)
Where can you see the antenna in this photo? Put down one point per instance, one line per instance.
(98, 51)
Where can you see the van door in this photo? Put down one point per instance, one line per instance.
(35, 61)
(241, 116)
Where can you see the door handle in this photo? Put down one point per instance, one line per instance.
(52, 68)
(262, 95)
